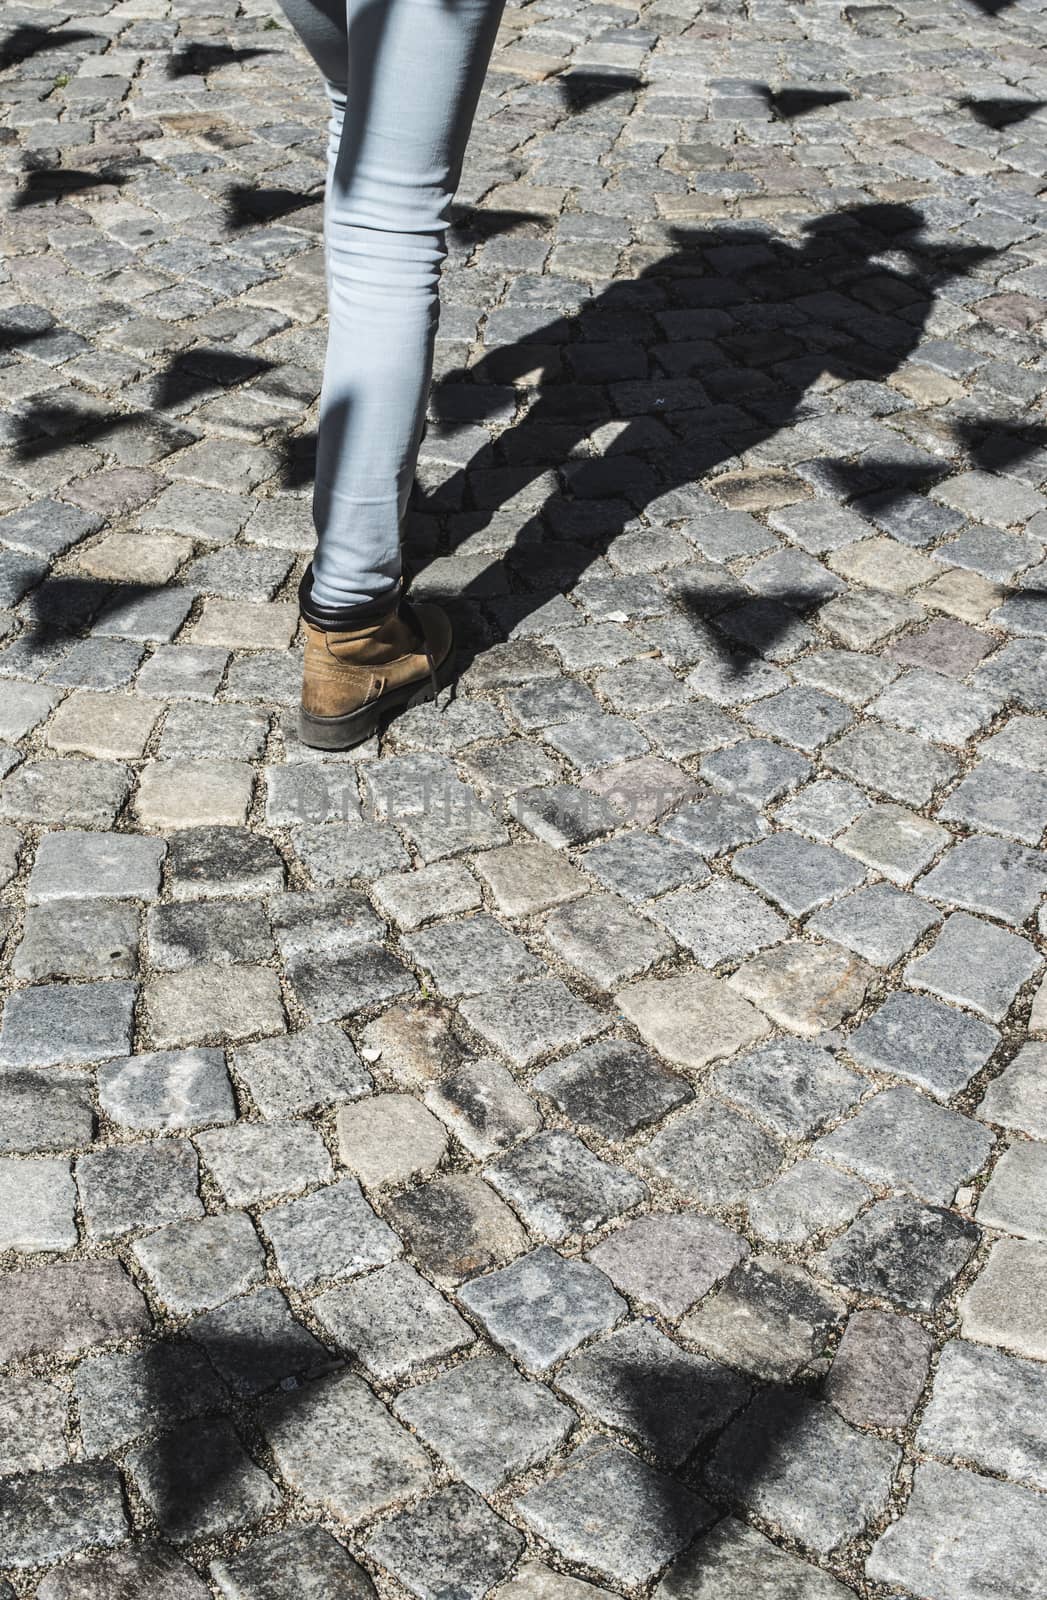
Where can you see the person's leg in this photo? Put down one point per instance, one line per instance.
(415, 69)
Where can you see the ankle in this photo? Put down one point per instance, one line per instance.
(338, 619)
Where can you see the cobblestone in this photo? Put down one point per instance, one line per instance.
(542, 1306)
(770, 1318)
(904, 1251)
(393, 1320)
(945, 1507)
(612, 1087)
(560, 1188)
(879, 1370)
(611, 1512)
(194, 1265)
(323, 1569)
(798, 1464)
(792, 1086)
(199, 1481)
(1005, 1305)
(726, 1563)
(669, 1261)
(37, 1202)
(167, 1089)
(903, 1141)
(988, 1408)
(640, 1382)
(732, 482)
(451, 1543)
(486, 1421)
(1015, 1198)
(975, 964)
(808, 1198)
(69, 1306)
(803, 987)
(333, 1233)
(118, 1573)
(1018, 1097)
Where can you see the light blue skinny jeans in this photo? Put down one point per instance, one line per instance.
(403, 78)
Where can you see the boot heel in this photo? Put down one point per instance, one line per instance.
(339, 733)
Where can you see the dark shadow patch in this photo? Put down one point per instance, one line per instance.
(47, 184)
(996, 446)
(195, 371)
(1002, 113)
(297, 460)
(197, 60)
(992, 8)
(789, 103)
(766, 322)
(471, 225)
(21, 44)
(245, 206)
(584, 87)
(44, 428)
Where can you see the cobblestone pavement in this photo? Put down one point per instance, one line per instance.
(596, 1135)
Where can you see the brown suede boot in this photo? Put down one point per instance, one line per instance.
(355, 675)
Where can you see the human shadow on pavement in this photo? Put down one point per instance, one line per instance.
(741, 325)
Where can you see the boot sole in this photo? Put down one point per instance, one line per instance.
(342, 733)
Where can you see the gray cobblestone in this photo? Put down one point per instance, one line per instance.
(611, 1512)
(1014, 1198)
(451, 1543)
(61, 1024)
(800, 1466)
(944, 1508)
(330, 1234)
(639, 1381)
(713, 1155)
(904, 1251)
(393, 1320)
(322, 1568)
(167, 1089)
(486, 1421)
(879, 1370)
(612, 1087)
(542, 1306)
(33, 1422)
(45, 1516)
(1018, 1097)
(902, 1140)
(560, 1188)
(975, 964)
(726, 1562)
(138, 1186)
(738, 504)
(988, 875)
(197, 1264)
(199, 1481)
(988, 1408)
(1005, 1304)
(117, 1573)
(792, 1086)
